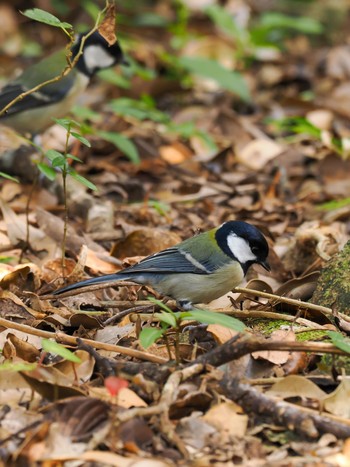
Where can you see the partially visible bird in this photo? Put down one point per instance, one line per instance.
(199, 269)
(34, 112)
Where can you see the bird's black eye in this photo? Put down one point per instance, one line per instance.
(255, 249)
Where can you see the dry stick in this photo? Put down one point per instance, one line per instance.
(291, 301)
(243, 344)
(302, 420)
(128, 311)
(64, 338)
(124, 303)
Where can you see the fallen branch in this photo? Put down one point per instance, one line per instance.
(243, 344)
(301, 420)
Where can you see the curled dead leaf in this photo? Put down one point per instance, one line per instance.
(108, 26)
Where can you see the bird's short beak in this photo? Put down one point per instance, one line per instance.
(265, 265)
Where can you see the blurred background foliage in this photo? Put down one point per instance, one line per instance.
(176, 46)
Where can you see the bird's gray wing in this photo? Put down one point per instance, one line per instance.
(168, 261)
(45, 96)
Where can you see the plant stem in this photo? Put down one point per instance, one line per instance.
(65, 203)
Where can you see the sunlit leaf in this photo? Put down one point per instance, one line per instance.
(335, 204)
(58, 349)
(166, 317)
(148, 336)
(210, 317)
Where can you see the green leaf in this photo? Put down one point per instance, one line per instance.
(124, 144)
(304, 24)
(81, 139)
(139, 109)
(159, 206)
(75, 158)
(160, 304)
(51, 154)
(210, 317)
(226, 22)
(58, 349)
(65, 123)
(59, 161)
(148, 336)
(49, 172)
(84, 113)
(6, 259)
(111, 76)
(5, 175)
(168, 318)
(84, 181)
(44, 17)
(340, 341)
(227, 79)
(17, 366)
(335, 204)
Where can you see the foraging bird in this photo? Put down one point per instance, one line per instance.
(199, 269)
(35, 112)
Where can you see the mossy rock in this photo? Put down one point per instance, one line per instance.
(333, 286)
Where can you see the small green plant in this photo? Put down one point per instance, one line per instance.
(267, 31)
(53, 347)
(145, 109)
(60, 162)
(302, 126)
(170, 320)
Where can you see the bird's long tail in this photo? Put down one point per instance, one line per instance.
(93, 281)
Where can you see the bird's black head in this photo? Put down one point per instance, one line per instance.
(243, 242)
(97, 54)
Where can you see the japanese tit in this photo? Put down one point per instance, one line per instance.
(199, 269)
(35, 112)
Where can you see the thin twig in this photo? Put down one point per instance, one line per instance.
(127, 312)
(65, 72)
(64, 338)
(291, 301)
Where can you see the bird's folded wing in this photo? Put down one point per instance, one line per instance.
(47, 95)
(168, 261)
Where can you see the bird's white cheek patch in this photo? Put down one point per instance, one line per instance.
(96, 56)
(240, 248)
